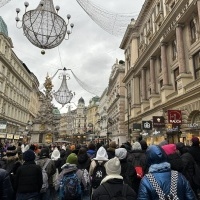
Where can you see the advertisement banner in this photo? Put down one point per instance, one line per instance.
(174, 117)
(3, 124)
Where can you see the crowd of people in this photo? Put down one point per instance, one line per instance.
(100, 172)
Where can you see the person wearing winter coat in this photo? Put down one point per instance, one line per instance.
(188, 165)
(127, 171)
(83, 159)
(161, 171)
(28, 179)
(111, 149)
(91, 150)
(137, 157)
(112, 185)
(50, 170)
(6, 189)
(173, 157)
(195, 150)
(68, 168)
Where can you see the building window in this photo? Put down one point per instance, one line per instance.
(174, 50)
(196, 63)
(176, 73)
(193, 31)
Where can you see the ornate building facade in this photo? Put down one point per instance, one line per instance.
(18, 102)
(162, 68)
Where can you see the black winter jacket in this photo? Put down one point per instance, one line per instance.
(6, 190)
(176, 162)
(28, 178)
(116, 187)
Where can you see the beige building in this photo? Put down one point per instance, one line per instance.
(162, 52)
(93, 128)
(18, 104)
(116, 129)
(73, 124)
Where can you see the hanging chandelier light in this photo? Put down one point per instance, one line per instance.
(43, 27)
(63, 95)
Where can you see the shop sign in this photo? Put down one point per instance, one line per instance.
(171, 128)
(16, 137)
(174, 116)
(2, 135)
(137, 127)
(3, 124)
(194, 125)
(9, 136)
(158, 121)
(147, 125)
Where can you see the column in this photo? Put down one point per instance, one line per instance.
(164, 64)
(152, 75)
(198, 8)
(144, 92)
(180, 49)
(136, 91)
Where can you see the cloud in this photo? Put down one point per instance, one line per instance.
(90, 52)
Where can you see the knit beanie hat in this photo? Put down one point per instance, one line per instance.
(136, 146)
(29, 155)
(72, 159)
(195, 141)
(101, 154)
(169, 149)
(121, 153)
(113, 166)
(11, 151)
(55, 154)
(44, 153)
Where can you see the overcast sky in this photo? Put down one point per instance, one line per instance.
(90, 52)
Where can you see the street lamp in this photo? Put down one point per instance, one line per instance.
(128, 110)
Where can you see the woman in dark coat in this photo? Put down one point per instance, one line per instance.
(28, 179)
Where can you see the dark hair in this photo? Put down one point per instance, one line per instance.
(82, 151)
(91, 146)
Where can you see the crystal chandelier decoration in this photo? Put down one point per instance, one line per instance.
(43, 27)
(63, 95)
(3, 2)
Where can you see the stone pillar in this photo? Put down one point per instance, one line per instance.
(180, 49)
(144, 92)
(198, 8)
(164, 64)
(152, 75)
(136, 91)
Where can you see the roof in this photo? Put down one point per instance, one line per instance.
(3, 27)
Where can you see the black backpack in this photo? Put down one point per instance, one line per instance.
(98, 174)
(119, 195)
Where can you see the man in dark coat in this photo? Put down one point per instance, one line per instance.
(112, 185)
(28, 179)
(111, 149)
(6, 190)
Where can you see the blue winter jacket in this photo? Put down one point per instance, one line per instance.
(162, 172)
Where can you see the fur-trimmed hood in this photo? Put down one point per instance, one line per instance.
(109, 177)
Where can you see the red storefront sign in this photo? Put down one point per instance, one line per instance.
(174, 117)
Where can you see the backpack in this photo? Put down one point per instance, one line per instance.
(70, 187)
(45, 184)
(98, 174)
(120, 195)
(196, 176)
(173, 186)
(85, 180)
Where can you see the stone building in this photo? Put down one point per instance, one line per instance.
(116, 129)
(162, 69)
(19, 92)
